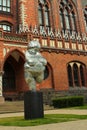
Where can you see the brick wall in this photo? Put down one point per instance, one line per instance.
(49, 94)
(27, 13)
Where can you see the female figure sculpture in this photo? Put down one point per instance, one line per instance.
(34, 66)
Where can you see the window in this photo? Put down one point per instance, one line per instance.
(43, 14)
(67, 16)
(76, 74)
(40, 16)
(62, 18)
(82, 75)
(5, 5)
(46, 73)
(73, 20)
(69, 68)
(67, 19)
(47, 16)
(6, 27)
(85, 18)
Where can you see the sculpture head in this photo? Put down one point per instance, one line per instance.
(33, 47)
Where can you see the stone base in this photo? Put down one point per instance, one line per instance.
(33, 105)
(1, 99)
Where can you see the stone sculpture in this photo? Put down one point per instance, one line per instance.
(34, 65)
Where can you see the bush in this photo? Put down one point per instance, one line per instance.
(64, 102)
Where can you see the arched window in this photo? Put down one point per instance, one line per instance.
(67, 16)
(6, 26)
(85, 18)
(5, 5)
(76, 74)
(43, 14)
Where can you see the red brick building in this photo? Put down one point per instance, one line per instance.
(61, 28)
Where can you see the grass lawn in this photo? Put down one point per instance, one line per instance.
(48, 119)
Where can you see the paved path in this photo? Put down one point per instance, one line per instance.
(58, 111)
(72, 125)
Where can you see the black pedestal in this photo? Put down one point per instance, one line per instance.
(33, 105)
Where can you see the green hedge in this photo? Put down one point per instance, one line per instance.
(64, 102)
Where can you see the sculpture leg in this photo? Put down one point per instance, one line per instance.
(30, 80)
(40, 77)
(32, 84)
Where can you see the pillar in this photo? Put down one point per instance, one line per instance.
(33, 105)
(1, 94)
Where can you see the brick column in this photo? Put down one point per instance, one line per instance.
(81, 16)
(22, 12)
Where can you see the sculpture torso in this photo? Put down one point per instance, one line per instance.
(35, 62)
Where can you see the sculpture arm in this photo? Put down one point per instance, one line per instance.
(42, 59)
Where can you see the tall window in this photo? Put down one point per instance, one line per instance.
(43, 14)
(62, 18)
(67, 16)
(47, 16)
(76, 74)
(40, 13)
(73, 20)
(85, 16)
(5, 5)
(46, 73)
(69, 69)
(67, 19)
(82, 75)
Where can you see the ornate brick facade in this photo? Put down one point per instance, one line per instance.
(66, 52)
